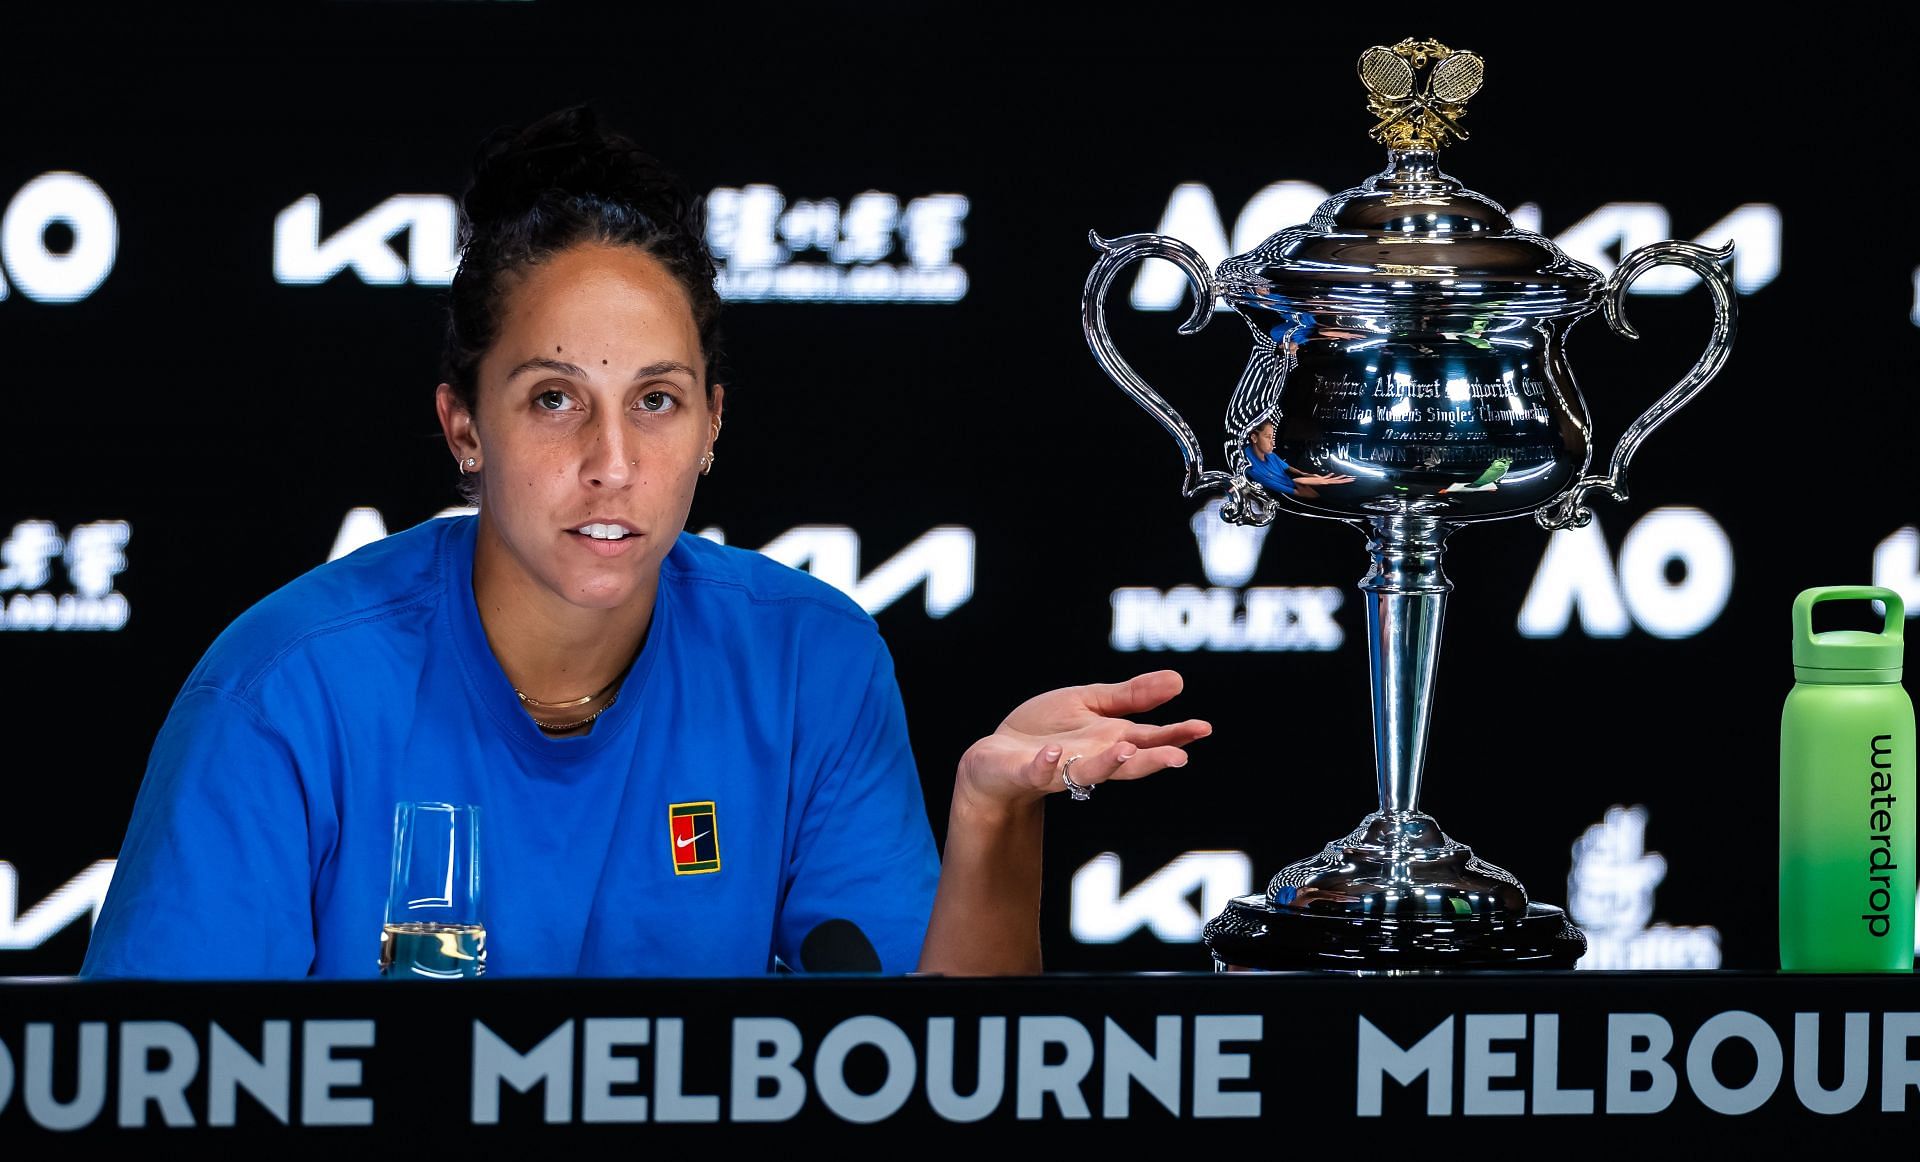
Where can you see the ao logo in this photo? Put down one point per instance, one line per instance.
(1615, 228)
(942, 558)
(48, 273)
(1577, 574)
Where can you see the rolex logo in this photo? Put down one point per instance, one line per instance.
(1226, 615)
(1228, 552)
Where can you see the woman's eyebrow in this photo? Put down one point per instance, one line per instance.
(554, 365)
(664, 367)
(560, 367)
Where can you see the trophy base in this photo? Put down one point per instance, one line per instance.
(1395, 895)
(1253, 935)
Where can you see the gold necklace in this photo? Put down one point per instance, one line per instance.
(561, 727)
(565, 726)
(525, 700)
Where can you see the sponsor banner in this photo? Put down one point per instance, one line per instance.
(1601, 1055)
(1609, 895)
(940, 560)
(878, 248)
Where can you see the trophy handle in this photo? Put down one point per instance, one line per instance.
(1566, 509)
(1115, 254)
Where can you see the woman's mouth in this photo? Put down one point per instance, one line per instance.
(605, 538)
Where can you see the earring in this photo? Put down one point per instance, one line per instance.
(467, 465)
(706, 463)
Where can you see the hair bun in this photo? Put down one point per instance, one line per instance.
(565, 155)
(541, 186)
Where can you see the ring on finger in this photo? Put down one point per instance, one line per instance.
(1080, 792)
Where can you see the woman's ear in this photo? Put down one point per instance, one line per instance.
(456, 423)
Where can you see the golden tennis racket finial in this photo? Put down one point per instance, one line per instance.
(1419, 90)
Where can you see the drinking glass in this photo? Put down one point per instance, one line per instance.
(434, 927)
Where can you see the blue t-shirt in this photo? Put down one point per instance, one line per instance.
(1269, 470)
(261, 841)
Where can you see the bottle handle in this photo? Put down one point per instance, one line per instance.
(1567, 509)
(1896, 608)
(1114, 255)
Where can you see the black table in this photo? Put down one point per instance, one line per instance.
(1566, 1058)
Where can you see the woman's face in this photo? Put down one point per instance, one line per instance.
(1262, 440)
(591, 417)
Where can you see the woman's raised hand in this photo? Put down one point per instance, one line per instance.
(1024, 759)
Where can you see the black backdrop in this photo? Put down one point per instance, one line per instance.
(233, 421)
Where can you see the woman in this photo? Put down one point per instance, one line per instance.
(1280, 477)
(573, 662)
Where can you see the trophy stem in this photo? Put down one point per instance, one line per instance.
(1406, 605)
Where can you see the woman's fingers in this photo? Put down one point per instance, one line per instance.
(1138, 693)
(1043, 773)
(1096, 766)
(1146, 734)
(1123, 760)
(1129, 750)
(1150, 760)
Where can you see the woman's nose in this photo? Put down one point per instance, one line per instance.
(613, 458)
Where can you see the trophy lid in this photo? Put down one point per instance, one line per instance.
(1410, 239)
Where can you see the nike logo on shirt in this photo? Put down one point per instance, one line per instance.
(678, 842)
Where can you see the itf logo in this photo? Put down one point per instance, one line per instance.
(1224, 616)
(94, 554)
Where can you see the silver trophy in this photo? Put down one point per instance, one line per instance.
(1408, 376)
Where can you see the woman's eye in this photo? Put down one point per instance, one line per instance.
(656, 401)
(552, 401)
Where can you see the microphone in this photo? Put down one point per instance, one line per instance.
(838, 946)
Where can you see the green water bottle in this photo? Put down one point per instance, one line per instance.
(1847, 795)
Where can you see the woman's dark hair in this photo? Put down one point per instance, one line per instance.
(545, 185)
